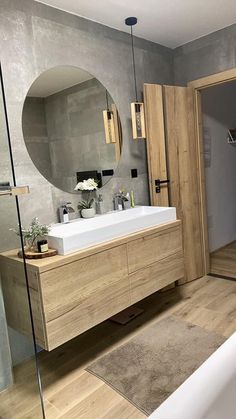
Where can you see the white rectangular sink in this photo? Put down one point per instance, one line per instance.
(82, 233)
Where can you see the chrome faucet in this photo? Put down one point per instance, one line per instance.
(119, 200)
(64, 211)
(69, 207)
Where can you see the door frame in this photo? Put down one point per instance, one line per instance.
(198, 85)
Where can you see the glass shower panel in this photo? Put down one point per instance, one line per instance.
(20, 390)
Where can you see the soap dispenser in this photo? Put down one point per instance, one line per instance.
(100, 205)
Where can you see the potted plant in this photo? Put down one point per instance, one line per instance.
(86, 205)
(35, 232)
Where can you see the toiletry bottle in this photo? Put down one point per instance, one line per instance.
(100, 205)
(132, 201)
(128, 202)
(42, 246)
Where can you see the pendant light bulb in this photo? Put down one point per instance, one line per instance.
(109, 124)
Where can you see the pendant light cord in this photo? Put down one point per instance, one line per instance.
(107, 100)
(132, 46)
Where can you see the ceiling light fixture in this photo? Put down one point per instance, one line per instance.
(137, 108)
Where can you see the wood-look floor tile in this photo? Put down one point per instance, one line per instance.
(207, 319)
(223, 261)
(225, 303)
(75, 392)
(70, 392)
(50, 412)
(124, 410)
(96, 405)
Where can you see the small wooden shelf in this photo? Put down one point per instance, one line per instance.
(38, 255)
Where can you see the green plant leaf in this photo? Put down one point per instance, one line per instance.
(34, 232)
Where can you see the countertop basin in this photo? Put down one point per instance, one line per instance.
(82, 233)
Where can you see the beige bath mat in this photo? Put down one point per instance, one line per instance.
(150, 366)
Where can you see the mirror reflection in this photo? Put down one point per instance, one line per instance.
(71, 128)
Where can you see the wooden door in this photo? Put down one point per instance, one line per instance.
(156, 149)
(176, 116)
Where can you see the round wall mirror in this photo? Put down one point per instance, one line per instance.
(71, 128)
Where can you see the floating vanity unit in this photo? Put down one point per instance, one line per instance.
(72, 293)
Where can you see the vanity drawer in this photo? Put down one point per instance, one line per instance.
(148, 280)
(154, 247)
(79, 295)
(13, 286)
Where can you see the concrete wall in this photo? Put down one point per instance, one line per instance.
(34, 38)
(64, 133)
(207, 55)
(35, 134)
(5, 355)
(13, 345)
(76, 133)
(219, 114)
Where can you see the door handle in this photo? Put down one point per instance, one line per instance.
(7, 189)
(159, 182)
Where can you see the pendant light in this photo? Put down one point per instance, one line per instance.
(137, 108)
(109, 126)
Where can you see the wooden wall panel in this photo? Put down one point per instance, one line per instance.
(183, 171)
(156, 150)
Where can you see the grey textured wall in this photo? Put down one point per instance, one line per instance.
(207, 55)
(64, 133)
(7, 211)
(76, 133)
(35, 134)
(34, 38)
(13, 346)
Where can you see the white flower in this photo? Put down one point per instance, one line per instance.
(79, 186)
(91, 184)
(86, 185)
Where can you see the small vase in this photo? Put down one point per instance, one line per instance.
(88, 212)
(29, 247)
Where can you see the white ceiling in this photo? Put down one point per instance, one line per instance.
(167, 22)
(57, 79)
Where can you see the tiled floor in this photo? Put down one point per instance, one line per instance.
(223, 261)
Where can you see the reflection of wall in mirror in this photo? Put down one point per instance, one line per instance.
(64, 133)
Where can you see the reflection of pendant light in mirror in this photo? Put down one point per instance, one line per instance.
(109, 126)
(137, 108)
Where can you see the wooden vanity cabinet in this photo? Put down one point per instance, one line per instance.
(81, 294)
(71, 294)
(154, 261)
